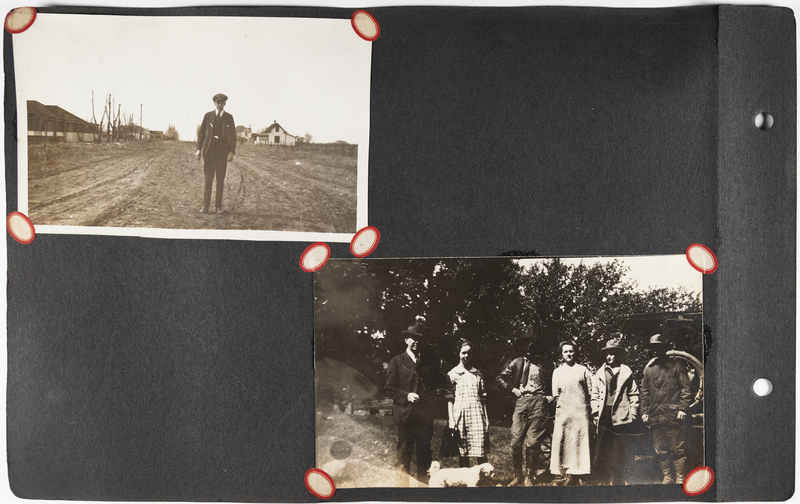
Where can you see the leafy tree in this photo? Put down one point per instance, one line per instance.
(171, 132)
(362, 306)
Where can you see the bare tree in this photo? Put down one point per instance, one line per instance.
(107, 113)
(98, 127)
(105, 119)
(117, 124)
(130, 128)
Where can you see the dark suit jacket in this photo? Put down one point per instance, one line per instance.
(403, 376)
(511, 376)
(228, 137)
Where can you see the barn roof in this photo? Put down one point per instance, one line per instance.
(63, 114)
(36, 108)
(53, 112)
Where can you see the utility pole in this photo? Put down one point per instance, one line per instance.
(140, 121)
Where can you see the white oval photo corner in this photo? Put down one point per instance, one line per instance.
(701, 258)
(365, 25)
(698, 481)
(20, 228)
(315, 257)
(762, 387)
(319, 484)
(364, 241)
(20, 18)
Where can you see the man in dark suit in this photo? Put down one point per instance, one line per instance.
(216, 140)
(412, 385)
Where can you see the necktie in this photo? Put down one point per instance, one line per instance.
(525, 374)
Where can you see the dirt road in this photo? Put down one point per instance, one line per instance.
(159, 184)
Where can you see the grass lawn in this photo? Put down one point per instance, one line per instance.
(359, 451)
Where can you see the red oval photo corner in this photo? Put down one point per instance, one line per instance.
(20, 19)
(314, 257)
(319, 483)
(365, 25)
(701, 258)
(20, 227)
(698, 481)
(365, 241)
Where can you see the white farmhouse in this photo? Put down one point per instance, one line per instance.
(275, 135)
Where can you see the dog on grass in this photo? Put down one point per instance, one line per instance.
(460, 476)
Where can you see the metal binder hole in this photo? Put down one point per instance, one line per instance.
(764, 121)
(762, 387)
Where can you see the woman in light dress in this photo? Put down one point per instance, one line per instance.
(466, 407)
(572, 382)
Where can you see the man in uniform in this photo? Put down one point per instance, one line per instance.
(665, 397)
(528, 379)
(413, 386)
(216, 140)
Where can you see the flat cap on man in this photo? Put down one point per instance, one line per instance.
(220, 97)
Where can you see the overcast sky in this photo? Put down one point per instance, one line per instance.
(666, 271)
(309, 75)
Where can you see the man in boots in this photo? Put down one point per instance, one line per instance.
(528, 379)
(665, 397)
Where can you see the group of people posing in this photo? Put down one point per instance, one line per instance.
(592, 411)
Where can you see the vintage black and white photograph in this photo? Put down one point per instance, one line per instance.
(223, 127)
(508, 371)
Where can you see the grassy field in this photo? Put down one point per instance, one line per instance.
(371, 462)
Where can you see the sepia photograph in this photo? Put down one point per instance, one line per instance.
(509, 371)
(224, 127)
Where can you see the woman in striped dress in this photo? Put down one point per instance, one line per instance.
(466, 407)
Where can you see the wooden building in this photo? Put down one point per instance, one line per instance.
(275, 135)
(243, 134)
(51, 121)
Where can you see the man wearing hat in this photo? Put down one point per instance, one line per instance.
(615, 405)
(665, 397)
(217, 142)
(412, 385)
(528, 378)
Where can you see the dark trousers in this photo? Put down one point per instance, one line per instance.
(415, 433)
(609, 450)
(528, 426)
(669, 443)
(216, 164)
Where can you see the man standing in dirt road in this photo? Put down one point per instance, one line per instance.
(217, 142)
